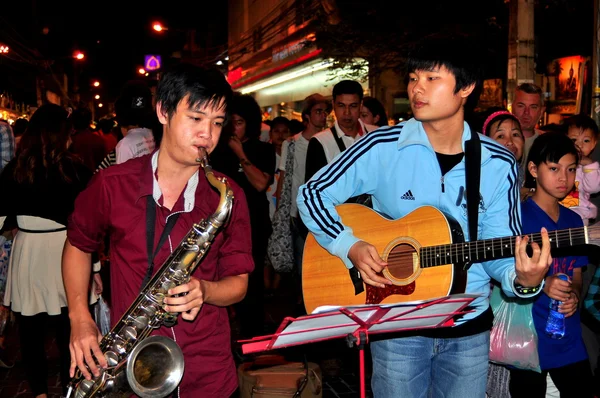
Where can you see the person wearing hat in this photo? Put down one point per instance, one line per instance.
(134, 112)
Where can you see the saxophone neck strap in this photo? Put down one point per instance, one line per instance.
(150, 225)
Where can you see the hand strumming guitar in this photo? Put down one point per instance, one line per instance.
(367, 261)
(532, 270)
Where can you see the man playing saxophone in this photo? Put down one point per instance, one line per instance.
(135, 203)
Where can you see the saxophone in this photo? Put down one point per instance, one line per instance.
(153, 366)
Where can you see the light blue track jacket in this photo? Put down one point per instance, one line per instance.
(399, 168)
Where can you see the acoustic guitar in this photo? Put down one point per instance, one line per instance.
(426, 254)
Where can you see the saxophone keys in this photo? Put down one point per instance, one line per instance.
(84, 387)
(168, 285)
(128, 333)
(149, 310)
(140, 322)
(111, 358)
(119, 346)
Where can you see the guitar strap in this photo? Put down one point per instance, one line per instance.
(472, 176)
(354, 274)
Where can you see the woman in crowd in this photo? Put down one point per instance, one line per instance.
(373, 112)
(42, 182)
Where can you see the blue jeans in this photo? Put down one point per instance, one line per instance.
(415, 367)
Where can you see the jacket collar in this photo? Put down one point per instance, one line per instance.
(414, 134)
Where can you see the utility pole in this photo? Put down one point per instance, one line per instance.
(521, 45)
(596, 66)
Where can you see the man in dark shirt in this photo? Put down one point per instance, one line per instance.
(191, 105)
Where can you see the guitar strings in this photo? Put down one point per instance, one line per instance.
(441, 252)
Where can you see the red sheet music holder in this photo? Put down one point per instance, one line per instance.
(357, 322)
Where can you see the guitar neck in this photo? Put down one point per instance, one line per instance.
(492, 249)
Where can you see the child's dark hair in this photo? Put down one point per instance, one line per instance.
(549, 147)
(583, 122)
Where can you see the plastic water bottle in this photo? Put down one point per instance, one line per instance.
(555, 325)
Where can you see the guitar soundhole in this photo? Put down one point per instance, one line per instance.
(401, 261)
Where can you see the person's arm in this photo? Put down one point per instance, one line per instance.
(315, 158)
(76, 268)
(590, 178)
(331, 186)
(256, 177)
(502, 218)
(85, 231)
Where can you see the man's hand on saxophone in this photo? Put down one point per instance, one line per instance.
(85, 335)
(188, 299)
(85, 350)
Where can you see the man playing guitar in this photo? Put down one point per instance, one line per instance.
(421, 163)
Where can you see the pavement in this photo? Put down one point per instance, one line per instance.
(339, 364)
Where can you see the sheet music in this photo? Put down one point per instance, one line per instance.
(332, 324)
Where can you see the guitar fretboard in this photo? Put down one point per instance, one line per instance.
(491, 249)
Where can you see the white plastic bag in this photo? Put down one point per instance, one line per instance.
(102, 316)
(513, 339)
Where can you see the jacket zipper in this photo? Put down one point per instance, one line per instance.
(442, 181)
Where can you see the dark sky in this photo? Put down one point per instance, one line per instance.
(114, 35)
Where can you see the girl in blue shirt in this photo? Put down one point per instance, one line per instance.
(551, 167)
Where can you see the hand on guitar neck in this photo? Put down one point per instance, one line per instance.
(532, 270)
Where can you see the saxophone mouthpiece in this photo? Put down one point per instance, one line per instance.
(202, 156)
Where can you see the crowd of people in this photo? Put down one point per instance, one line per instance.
(97, 210)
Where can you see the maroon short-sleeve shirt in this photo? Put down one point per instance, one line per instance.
(115, 203)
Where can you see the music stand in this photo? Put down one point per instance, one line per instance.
(355, 323)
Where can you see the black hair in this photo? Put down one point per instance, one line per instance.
(459, 55)
(548, 147)
(106, 125)
(201, 86)
(280, 120)
(377, 109)
(81, 118)
(245, 106)
(296, 126)
(583, 122)
(19, 126)
(348, 87)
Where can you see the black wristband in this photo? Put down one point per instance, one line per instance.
(520, 289)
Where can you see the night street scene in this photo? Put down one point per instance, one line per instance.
(300, 198)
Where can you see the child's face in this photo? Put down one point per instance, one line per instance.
(554, 180)
(584, 140)
(279, 133)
